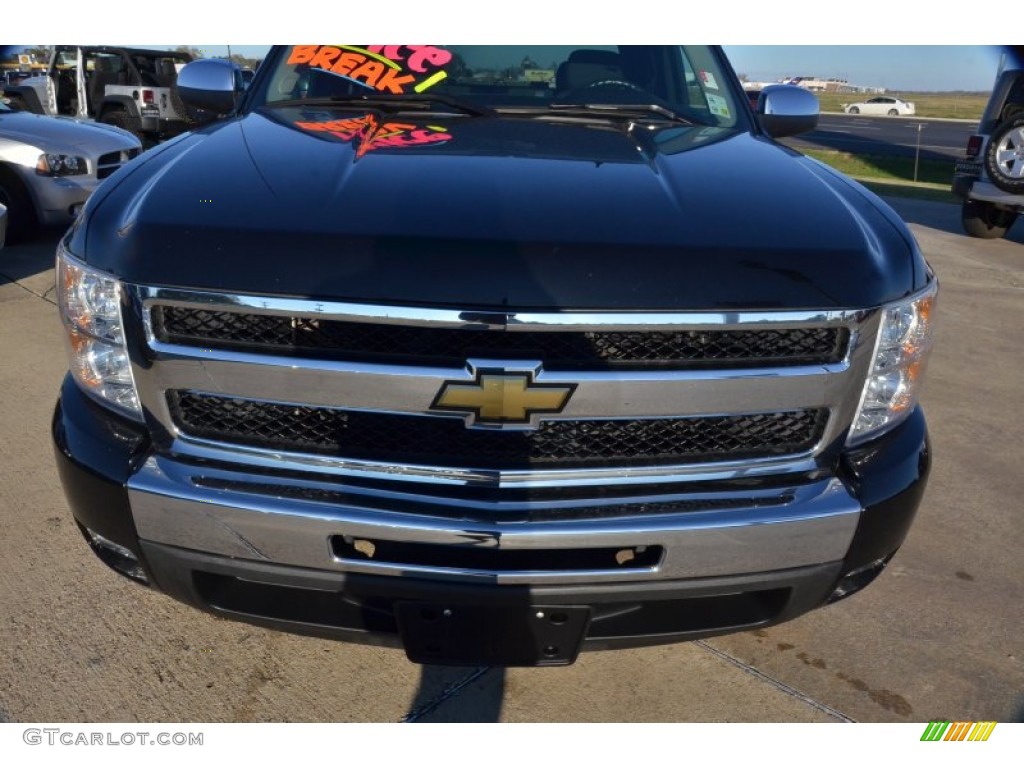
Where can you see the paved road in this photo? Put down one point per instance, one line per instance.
(887, 136)
(938, 636)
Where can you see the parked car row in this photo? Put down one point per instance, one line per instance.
(64, 131)
(50, 165)
(131, 88)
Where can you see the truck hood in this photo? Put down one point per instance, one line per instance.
(64, 134)
(494, 212)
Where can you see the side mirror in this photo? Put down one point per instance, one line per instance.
(210, 85)
(786, 110)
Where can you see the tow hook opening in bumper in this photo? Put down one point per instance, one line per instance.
(120, 559)
(856, 580)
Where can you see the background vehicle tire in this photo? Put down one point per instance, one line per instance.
(854, 111)
(893, 112)
(21, 216)
(1004, 157)
(986, 221)
(119, 119)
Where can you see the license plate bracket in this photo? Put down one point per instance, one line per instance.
(492, 635)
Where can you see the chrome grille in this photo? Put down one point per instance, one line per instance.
(425, 440)
(564, 350)
(111, 161)
(345, 393)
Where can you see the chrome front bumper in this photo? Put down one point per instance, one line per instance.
(195, 507)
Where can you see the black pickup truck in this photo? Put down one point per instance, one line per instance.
(494, 353)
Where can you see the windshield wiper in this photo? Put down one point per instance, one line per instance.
(398, 102)
(622, 110)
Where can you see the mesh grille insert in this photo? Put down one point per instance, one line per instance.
(110, 162)
(447, 442)
(344, 340)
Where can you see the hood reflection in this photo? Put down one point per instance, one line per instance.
(369, 133)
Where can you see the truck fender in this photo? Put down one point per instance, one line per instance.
(117, 102)
(28, 96)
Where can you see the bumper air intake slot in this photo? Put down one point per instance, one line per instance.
(483, 558)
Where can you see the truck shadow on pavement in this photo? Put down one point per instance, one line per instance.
(30, 257)
(458, 695)
(1016, 714)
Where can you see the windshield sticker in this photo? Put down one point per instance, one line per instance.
(708, 79)
(717, 105)
(369, 134)
(385, 68)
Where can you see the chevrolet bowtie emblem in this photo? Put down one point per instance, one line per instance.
(502, 398)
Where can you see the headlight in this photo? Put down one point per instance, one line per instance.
(901, 351)
(52, 164)
(90, 306)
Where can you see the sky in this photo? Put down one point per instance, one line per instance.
(908, 68)
(911, 47)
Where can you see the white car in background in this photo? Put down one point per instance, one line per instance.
(50, 165)
(880, 105)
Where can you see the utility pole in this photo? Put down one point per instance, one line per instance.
(917, 152)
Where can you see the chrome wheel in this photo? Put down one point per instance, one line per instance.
(1004, 158)
(1010, 153)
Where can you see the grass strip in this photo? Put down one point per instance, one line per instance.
(894, 175)
(915, 191)
(886, 168)
(955, 105)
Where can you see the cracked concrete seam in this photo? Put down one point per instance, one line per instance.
(777, 684)
(449, 692)
(44, 296)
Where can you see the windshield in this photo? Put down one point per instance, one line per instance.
(688, 81)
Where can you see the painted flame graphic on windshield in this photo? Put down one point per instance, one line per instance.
(385, 68)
